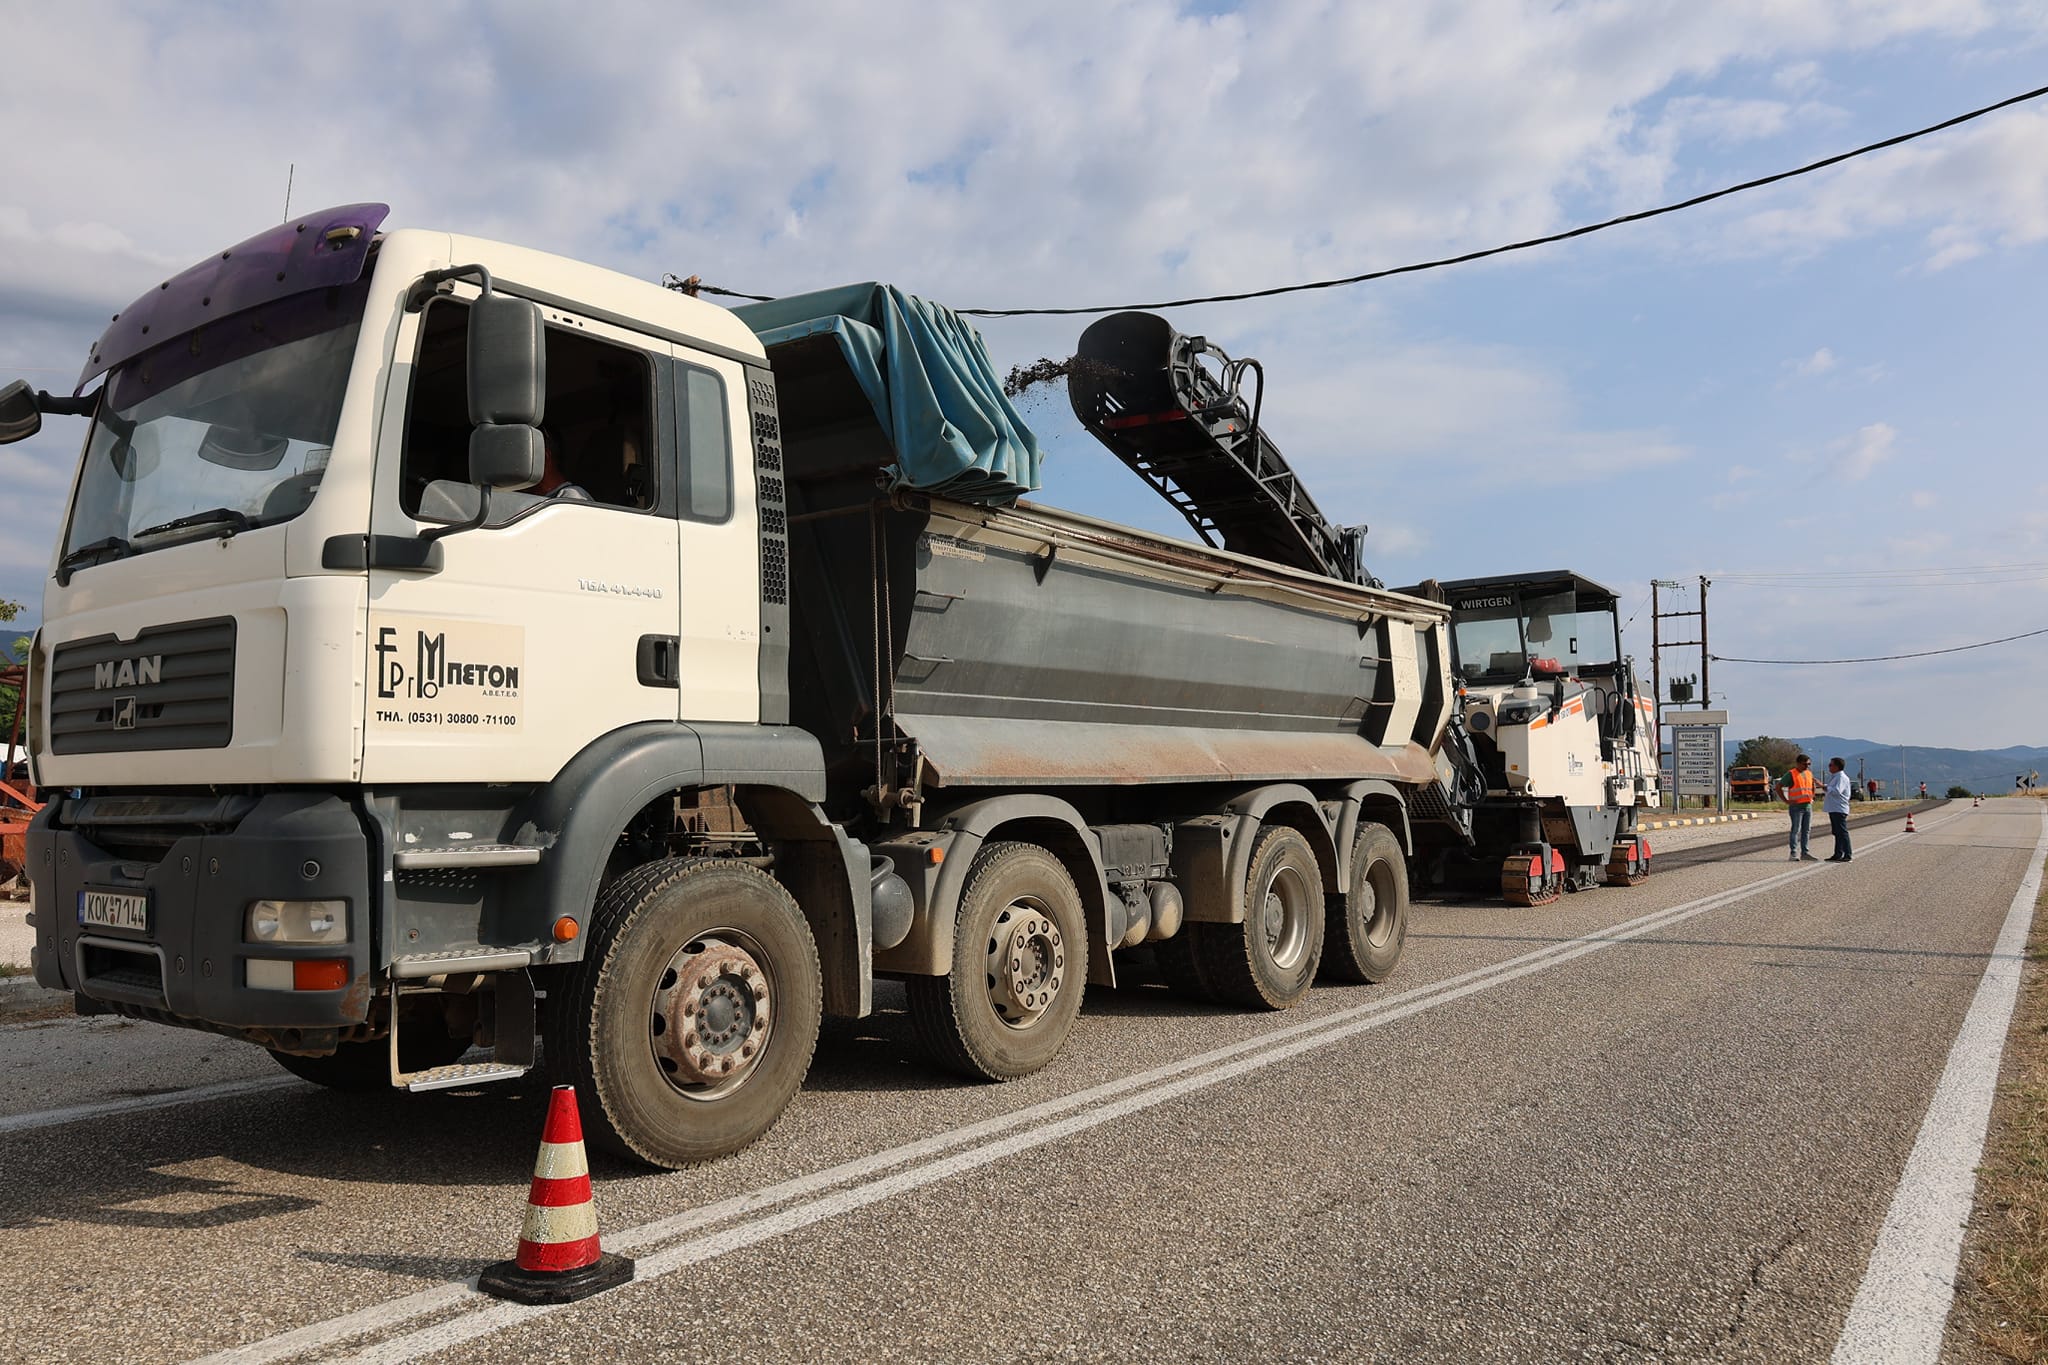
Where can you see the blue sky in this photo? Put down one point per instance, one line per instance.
(1831, 377)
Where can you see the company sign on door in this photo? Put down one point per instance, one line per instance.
(445, 675)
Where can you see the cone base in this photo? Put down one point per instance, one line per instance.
(506, 1280)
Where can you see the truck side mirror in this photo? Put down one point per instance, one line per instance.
(508, 381)
(20, 418)
(508, 362)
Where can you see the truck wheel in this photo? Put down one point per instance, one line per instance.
(1363, 937)
(692, 1018)
(1269, 961)
(366, 1066)
(1020, 967)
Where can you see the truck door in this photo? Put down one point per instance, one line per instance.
(555, 622)
(720, 556)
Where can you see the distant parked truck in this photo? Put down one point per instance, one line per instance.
(1749, 783)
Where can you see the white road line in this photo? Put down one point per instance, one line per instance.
(1902, 1306)
(48, 1118)
(1209, 1069)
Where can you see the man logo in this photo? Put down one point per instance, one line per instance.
(143, 672)
(124, 713)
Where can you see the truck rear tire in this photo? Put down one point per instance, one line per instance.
(366, 1066)
(1363, 937)
(1269, 961)
(1020, 968)
(690, 1022)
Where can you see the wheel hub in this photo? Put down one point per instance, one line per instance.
(1027, 962)
(712, 1011)
(1282, 918)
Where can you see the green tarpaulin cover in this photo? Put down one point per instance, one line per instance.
(929, 379)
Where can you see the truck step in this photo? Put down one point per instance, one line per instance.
(462, 1073)
(456, 961)
(465, 855)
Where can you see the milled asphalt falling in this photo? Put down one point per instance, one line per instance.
(1679, 1147)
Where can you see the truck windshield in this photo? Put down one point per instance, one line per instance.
(223, 429)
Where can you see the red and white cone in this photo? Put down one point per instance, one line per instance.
(559, 1258)
(1909, 823)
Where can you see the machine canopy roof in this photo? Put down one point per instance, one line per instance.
(1591, 595)
(926, 378)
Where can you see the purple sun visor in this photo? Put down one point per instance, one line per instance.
(317, 251)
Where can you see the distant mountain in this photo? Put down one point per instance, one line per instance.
(1980, 770)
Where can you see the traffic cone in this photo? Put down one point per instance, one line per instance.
(559, 1259)
(1909, 823)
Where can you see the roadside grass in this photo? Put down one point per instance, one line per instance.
(2006, 1278)
(8, 969)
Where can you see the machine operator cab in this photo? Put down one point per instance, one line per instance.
(1532, 651)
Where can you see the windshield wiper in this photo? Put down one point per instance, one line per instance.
(239, 521)
(113, 547)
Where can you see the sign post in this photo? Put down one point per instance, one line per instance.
(1696, 753)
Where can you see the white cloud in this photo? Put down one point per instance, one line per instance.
(1966, 190)
(1922, 499)
(1819, 363)
(1856, 456)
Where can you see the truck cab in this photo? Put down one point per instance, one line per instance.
(376, 537)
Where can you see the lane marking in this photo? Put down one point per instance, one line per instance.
(135, 1104)
(1901, 1309)
(1210, 1069)
(392, 1312)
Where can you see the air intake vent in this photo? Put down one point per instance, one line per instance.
(172, 687)
(769, 492)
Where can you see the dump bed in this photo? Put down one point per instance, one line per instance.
(1028, 646)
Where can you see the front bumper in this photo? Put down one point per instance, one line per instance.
(189, 964)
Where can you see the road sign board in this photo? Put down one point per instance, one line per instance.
(1696, 754)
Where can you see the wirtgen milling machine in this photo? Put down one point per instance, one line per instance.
(1565, 739)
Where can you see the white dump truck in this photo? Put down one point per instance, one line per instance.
(453, 645)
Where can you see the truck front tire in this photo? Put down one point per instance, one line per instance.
(1020, 967)
(1364, 935)
(690, 1023)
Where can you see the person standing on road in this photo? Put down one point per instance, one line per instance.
(1799, 804)
(1836, 804)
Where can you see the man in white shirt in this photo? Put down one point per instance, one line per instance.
(1836, 804)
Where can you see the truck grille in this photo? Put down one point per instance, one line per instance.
(171, 687)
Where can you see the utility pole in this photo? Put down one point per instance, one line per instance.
(1656, 673)
(1706, 688)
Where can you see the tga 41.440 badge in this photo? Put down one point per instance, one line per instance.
(455, 675)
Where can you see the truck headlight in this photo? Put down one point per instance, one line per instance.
(1521, 712)
(297, 922)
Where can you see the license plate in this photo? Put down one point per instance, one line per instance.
(114, 910)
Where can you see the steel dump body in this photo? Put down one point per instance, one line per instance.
(1032, 647)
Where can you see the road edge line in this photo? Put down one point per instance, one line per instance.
(1901, 1309)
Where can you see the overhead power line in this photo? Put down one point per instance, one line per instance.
(1886, 658)
(693, 286)
(1587, 229)
(1929, 572)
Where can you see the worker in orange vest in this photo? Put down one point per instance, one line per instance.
(1799, 785)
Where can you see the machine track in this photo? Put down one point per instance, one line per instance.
(1628, 863)
(1523, 882)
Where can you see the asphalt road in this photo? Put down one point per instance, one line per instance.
(1655, 1124)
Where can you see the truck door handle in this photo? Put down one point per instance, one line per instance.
(658, 661)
